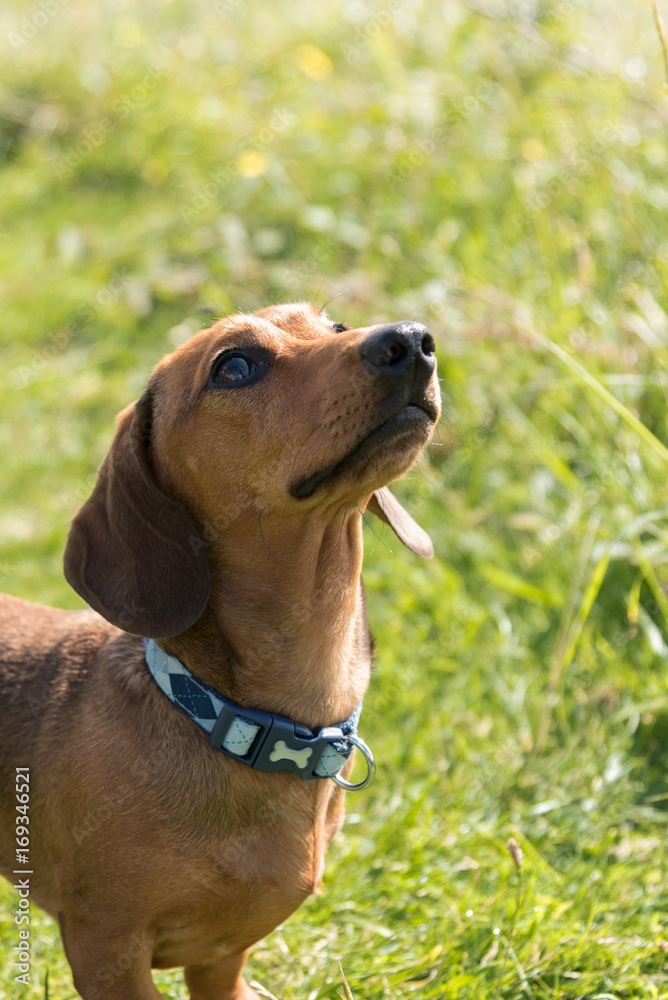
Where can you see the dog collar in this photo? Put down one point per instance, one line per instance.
(259, 739)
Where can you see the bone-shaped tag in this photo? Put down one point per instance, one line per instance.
(282, 751)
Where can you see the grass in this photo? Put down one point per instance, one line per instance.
(498, 171)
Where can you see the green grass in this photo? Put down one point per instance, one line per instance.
(497, 171)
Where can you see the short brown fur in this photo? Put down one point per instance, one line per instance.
(151, 848)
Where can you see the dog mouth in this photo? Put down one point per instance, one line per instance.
(412, 419)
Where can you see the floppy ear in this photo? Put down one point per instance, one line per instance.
(132, 553)
(386, 506)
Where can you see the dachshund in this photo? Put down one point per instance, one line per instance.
(181, 750)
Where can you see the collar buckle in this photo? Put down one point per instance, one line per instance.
(272, 743)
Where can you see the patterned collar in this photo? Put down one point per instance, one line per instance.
(259, 739)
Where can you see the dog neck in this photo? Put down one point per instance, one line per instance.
(286, 627)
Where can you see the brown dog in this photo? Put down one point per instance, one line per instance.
(226, 522)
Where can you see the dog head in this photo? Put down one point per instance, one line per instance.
(283, 413)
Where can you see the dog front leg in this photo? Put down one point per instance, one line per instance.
(219, 980)
(108, 965)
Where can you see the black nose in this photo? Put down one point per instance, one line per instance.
(400, 349)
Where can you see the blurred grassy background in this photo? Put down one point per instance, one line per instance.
(497, 170)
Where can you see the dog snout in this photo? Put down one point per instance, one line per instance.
(400, 350)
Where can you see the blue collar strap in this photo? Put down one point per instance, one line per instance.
(261, 740)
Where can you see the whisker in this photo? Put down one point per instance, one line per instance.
(377, 534)
(322, 282)
(338, 551)
(334, 295)
(333, 403)
(318, 427)
(259, 524)
(309, 402)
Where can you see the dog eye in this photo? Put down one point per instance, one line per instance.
(234, 368)
(339, 327)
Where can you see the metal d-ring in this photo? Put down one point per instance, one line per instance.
(370, 767)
